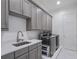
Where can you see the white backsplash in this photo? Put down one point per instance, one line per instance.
(12, 36)
(17, 24)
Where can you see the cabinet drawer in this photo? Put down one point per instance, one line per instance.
(33, 54)
(21, 51)
(33, 46)
(25, 56)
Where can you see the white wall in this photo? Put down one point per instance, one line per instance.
(64, 24)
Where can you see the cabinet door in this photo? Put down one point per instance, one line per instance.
(21, 51)
(27, 8)
(49, 22)
(39, 52)
(8, 56)
(34, 17)
(4, 14)
(39, 18)
(16, 6)
(25, 56)
(53, 46)
(33, 54)
(44, 21)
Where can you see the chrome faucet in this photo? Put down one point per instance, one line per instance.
(18, 36)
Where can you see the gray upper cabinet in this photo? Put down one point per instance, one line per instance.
(44, 21)
(33, 54)
(27, 8)
(4, 14)
(34, 17)
(39, 18)
(15, 6)
(49, 22)
(22, 7)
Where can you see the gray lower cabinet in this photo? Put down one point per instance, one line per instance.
(15, 6)
(4, 14)
(22, 53)
(8, 56)
(27, 8)
(39, 52)
(24, 56)
(53, 46)
(33, 54)
(35, 51)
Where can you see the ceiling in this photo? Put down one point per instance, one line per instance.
(51, 5)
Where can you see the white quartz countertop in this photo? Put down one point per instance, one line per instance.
(7, 47)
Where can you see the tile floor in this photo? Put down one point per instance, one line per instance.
(44, 57)
(64, 54)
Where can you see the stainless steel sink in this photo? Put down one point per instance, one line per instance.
(21, 43)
